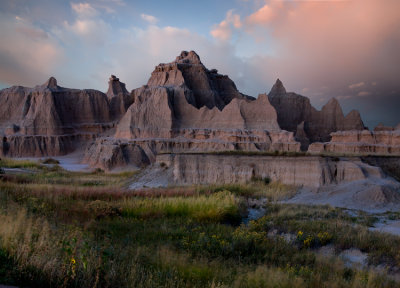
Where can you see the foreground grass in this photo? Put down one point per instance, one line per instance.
(13, 163)
(58, 235)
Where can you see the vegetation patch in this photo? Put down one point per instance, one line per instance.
(58, 231)
(16, 163)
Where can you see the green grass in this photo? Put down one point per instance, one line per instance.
(57, 235)
(217, 207)
(15, 163)
(273, 192)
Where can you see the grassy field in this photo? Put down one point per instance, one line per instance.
(69, 229)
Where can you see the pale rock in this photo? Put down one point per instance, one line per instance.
(112, 154)
(310, 171)
(381, 142)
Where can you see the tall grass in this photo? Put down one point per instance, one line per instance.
(274, 191)
(58, 235)
(217, 207)
(18, 163)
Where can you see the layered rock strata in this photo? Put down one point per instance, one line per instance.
(52, 120)
(296, 114)
(311, 171)
(378, 142)
(186, 107)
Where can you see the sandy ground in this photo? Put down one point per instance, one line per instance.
(373, 196)
(369, 195)
(392, 227)
(72, 162)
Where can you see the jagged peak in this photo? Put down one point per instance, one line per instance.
(278, 82)
(188, 58)
(51, 83)
(115, 87)
(278, 89)
(113, 78)
(353, 113)
(333, 102)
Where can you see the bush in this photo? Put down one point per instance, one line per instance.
(101, 209)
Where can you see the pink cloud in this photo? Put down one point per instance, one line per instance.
(34, 54)
(265, 14)
(356, 85)
(223, 30)
(324, 42)
(363, 93)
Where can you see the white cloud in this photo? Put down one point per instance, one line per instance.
(356, 85)
(87, 28)
(109, 6)
(149, 18)
(84, 9)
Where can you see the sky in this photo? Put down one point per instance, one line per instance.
(348, 49)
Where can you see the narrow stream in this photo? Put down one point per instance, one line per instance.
(256, 209)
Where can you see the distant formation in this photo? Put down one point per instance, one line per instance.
(296, 114)
(183, 108)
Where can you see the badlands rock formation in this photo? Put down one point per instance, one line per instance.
(309, 171)
(344, 182)
(296, 114)
(52, 120)
(184, 107)
(381, 141)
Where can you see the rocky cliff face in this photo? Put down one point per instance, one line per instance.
(203, 87)
(299, 171)
(186, 95)
(52, 120)
(296, 114)
(380, 142)
(184, 107)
